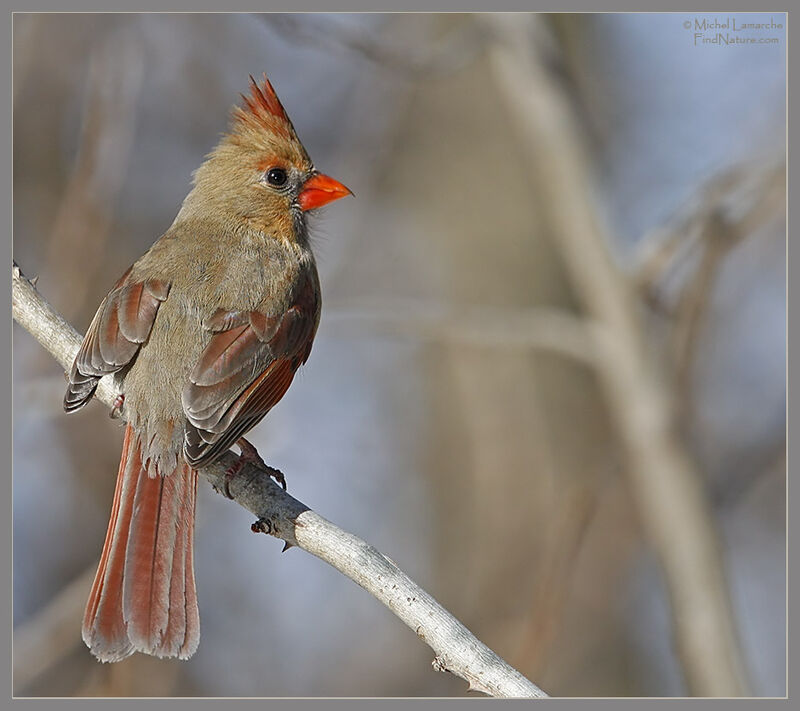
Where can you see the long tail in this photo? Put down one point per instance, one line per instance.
(143, 598)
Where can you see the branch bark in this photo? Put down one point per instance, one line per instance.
(281, 515)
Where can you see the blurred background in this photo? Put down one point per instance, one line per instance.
(457, 408)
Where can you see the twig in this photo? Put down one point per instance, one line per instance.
(693, 304)
(281, 515)
(741, 198)
(673, 507)
(730, 207)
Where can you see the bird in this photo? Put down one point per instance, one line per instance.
(203, 335)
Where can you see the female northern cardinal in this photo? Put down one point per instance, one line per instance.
(204, 333)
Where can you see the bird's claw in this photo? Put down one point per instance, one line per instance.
(116, 408)
(249, 455)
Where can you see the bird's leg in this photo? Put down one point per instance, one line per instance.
(116, 408)
(249, 455)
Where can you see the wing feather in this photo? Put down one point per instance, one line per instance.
(246, 368)
(119, 328)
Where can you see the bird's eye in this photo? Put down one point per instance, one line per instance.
(277, 177)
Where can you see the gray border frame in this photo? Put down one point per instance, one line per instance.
(719, 6)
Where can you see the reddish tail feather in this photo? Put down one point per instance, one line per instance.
(143, 597)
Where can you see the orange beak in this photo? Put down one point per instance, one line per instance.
(319, 190)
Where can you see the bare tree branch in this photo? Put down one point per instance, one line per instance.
(281, 515)
(673, 507)
(734, 205)
(742, 198)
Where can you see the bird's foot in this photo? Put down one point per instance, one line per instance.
(116, 408)
(249, 455)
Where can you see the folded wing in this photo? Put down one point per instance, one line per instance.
(119, 328)
(245, 369)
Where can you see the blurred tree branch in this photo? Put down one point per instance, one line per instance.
(281, 515)
(447, 55)
(729, 208)
(540, 629)
(83, 220)
(543, 328)
(741, 197)
(673, 507)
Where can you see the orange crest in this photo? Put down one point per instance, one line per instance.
(263, 98)
(263, 108)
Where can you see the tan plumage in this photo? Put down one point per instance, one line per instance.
(204, 334)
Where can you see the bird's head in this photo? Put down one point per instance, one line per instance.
(260, 170)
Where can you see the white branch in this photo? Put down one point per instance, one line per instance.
(279, 514)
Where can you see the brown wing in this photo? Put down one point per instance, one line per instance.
(118, 329)
(243, 372)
